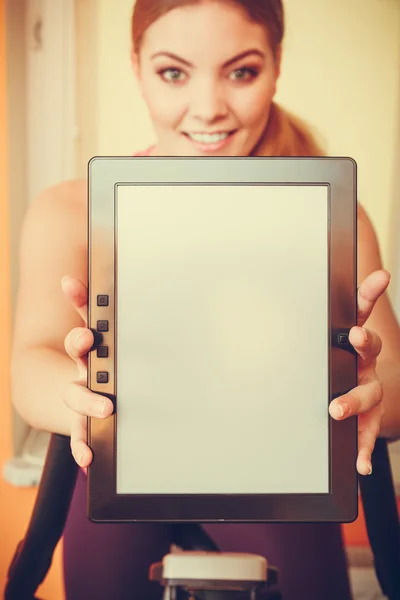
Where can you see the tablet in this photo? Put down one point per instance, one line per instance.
(222, 291)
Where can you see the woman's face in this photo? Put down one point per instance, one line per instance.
(208, 76)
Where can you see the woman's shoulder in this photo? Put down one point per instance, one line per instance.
(67, 197)
(366, 229)
(362, 214)
(59, 213)
(74, 191)
(369, 255)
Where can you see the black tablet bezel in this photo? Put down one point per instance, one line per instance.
(339, 174)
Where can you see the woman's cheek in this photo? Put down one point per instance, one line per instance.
(258, 104)
(165, 108)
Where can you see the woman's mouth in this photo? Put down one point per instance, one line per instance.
(209, 142)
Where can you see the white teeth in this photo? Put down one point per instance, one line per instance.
(208, 138)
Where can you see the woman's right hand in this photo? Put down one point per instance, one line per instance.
(83, 402)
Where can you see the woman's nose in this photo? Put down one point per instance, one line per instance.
(209, 103)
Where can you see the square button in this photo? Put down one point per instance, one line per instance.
(102, 377)
(102, 351)
(102, 325)
(102, 300)
(343, 338)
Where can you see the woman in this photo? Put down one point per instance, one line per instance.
(208, 71)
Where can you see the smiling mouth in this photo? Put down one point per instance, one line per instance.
(209, 138)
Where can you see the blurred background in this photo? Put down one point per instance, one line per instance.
(67, 93)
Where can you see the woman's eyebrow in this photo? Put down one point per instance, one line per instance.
(244, 55)
(173, 56)
(226, 64)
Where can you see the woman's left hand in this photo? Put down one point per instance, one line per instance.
(366, 399)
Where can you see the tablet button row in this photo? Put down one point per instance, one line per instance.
(102, 351)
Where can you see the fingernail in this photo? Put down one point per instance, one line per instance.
(365, 334)
(342, 409)
(369, 469)
(80, 340)
(80, 460)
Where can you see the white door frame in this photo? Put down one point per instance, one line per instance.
(51, 98)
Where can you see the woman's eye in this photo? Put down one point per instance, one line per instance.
(243, 74)
(172, 75)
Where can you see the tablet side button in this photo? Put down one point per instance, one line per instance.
(102, 326)
(102, 377)
(102, 352)
(102, 300)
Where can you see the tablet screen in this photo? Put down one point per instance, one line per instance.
(222, 339)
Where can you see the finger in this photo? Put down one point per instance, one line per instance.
(78, 343)
(359, 400)
(76, 292)
(369, 291)
(368, 430)
(79, 448)
(367, 343)
(85, 402)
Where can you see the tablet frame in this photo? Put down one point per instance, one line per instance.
(340, 177)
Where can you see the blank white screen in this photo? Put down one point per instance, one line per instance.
(222, 339)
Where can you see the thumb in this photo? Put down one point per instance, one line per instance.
(78, 343)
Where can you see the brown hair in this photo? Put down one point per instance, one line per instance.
(285, 134)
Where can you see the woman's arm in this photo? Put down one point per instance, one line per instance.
(383, 321)
(53, 243)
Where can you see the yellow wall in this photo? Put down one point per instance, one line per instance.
(341, 71)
